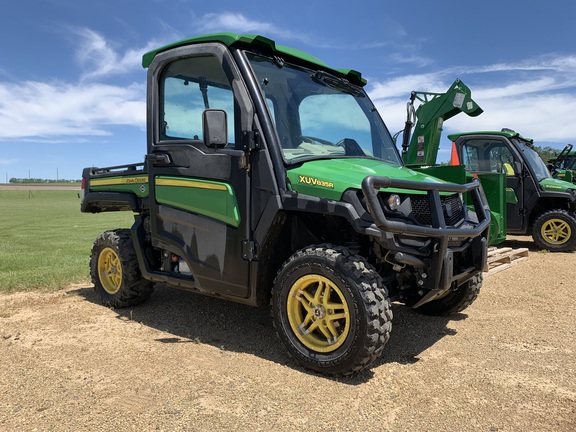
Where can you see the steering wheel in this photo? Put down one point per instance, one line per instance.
(351, 147)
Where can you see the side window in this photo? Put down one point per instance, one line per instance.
(471, 159)
(488, 156)
(188, 87)
(501, 159)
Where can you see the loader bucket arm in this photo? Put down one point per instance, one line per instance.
(561, 158)
(434, 109)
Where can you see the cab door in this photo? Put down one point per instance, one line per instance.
(492, 154)
(199, 196)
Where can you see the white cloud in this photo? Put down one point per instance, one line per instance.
(8, 161)
(99, 58)
(417, 61)
(534, 97)
(36, 109)
(238, 23)
(49, 112)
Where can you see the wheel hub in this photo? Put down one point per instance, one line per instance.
(110, 271)
(556, 231)
(319, 312)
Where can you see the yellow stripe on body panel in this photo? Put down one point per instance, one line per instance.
(190, 183)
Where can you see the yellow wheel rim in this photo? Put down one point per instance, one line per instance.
(318, 313)
(110, 270)
(556, 231)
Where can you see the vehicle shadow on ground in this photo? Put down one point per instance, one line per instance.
(186, 317)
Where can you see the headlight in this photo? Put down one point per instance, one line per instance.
(393, 202)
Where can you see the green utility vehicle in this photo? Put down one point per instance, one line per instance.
(270, 179)
(536, 203)
(522, 195)
(563, 166)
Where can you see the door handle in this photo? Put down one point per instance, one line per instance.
(158, 158)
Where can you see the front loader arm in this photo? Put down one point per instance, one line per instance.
(434, 109)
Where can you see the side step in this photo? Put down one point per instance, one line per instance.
(502, 258)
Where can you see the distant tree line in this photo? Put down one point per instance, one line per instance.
(39, 180)
(546, 153)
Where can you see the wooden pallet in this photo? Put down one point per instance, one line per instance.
(502, 258)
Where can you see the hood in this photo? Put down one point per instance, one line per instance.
(330, 178)
(551, 184)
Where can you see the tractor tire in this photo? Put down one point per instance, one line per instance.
(331, 310)
(555, 231)
(115, 272)
(455, 301)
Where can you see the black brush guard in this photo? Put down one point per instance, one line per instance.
(439, 272)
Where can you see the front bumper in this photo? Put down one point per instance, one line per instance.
(469, 239)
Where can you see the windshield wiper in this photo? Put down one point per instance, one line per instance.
(337, 83)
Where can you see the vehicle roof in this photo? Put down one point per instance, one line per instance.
(508, 133)
(260, 42)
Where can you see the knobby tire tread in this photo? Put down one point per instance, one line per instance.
(134, 289)
(375, 302)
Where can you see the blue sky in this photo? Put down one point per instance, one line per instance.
(72, 89)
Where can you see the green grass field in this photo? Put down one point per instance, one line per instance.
(45, 240)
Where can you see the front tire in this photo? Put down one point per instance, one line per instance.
(455, 301)
(115, 272)
(331, 310)
(555, 231)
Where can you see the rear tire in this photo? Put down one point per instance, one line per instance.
(331, 310)
(115, 272)
(555, 231)
(455, 301)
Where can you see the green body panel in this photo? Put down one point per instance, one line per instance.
(556, 185)
(511, 197)
(216, 200)
(566, 175)
(138, 185)
(330, 178)
(209, 198)
(449, 173)
(493, 185)
(257, 42)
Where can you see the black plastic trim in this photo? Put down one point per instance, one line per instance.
(96, 202)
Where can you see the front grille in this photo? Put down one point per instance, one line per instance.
(452, 208)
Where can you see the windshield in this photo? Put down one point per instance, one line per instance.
(318, 115)
(533, 159)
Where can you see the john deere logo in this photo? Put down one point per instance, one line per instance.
(315, 182)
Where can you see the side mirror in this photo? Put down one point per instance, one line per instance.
(215, 128)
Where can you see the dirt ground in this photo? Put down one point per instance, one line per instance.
(183, 362)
